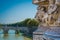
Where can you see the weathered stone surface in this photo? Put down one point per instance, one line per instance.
(53, 33)
(38, 34)
(48, 14)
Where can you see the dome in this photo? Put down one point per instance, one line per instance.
(53, 32)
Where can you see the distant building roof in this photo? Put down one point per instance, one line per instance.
(53, 32)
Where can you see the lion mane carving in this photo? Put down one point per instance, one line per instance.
(49, 16)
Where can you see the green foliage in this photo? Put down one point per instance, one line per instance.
(32, 22)
(29, 22)
(1, 25)
(26, 22)
(14, 24)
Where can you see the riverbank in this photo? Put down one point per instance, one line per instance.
(26, 38)
(12, 36)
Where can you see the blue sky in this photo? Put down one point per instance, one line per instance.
(12, 11)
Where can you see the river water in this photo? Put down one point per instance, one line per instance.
(12, 36)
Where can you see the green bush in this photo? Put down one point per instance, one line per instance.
(26, 22)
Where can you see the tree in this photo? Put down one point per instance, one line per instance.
(32, 25)
(32, 22)
(1, 25)
(24, 23)
(27, 22)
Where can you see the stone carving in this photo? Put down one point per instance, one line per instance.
(40, 13)
(48, 15)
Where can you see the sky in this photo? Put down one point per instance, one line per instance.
(12, 11)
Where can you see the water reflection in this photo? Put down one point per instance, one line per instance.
(17, 35)
(11, 35)
(5, 37)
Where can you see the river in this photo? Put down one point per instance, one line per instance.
(12, 36)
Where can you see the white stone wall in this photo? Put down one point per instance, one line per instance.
(37, 37)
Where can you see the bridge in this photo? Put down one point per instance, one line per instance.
(16, 28)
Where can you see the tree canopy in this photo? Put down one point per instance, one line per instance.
(26, 22)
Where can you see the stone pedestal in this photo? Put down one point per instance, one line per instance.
(47, 16)
(37, 37)
(52, 34)
(38, 34)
